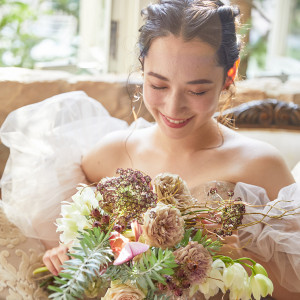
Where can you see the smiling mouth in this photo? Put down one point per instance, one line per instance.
(175, 123)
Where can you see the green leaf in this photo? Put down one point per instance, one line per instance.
(160, 254)
(158, 277)
(186, 237)
(198, 236)
(65, 275)
(59, 280)
(76, 256)
(149, 281)
(152, 260)
(145, 259)
(142, 283)
(55, 289)
(167, 271)
(141, 265)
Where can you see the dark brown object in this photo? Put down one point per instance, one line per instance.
(269, 113)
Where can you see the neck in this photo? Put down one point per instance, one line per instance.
(210, 136)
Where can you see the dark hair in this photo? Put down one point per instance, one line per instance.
(208, 20)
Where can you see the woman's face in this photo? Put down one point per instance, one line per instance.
(182, 84)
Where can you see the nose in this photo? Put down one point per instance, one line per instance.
(175, 104)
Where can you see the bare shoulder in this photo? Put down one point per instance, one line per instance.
(108, 155)
(260, 163)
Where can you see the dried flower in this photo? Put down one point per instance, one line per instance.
(128, 196)
(195, 260)
(164, 230)
(123, 291)
(171, 189)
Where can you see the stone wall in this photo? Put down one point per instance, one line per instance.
(21, 87)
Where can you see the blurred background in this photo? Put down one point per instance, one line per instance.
(54, 46)
(99, 36)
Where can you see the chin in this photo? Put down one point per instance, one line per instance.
(175, 133)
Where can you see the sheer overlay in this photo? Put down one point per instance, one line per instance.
(47, 141)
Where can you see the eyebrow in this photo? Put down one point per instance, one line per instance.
(197, 81)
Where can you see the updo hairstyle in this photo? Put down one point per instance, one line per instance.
(208, 20)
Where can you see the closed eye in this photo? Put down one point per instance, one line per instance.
(158, 87)
(197, 94)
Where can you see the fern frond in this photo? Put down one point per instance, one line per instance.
(144, 273)
(84, 268)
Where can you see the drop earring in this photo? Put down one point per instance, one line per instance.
(136, 98)
(138, 94)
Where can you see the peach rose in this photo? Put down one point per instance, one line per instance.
(122, 291)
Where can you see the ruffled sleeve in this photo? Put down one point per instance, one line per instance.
(274, 240)
(47, 141)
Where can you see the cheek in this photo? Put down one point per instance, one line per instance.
(151, 98)
(205, 105)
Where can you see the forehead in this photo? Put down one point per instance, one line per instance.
(172, 53)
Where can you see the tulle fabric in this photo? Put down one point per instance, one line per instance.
(276, 242)
(47, 141)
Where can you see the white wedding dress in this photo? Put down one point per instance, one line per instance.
(47, 141)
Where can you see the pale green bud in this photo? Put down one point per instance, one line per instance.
(259, 269)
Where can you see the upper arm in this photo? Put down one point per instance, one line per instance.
(106, 157)
(266, 168)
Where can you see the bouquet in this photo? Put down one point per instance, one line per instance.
(132, 238)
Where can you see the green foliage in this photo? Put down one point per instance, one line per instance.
(80, 272)
(16, 41)
(152, 296)
(208, 243)
(71, 7)
(151, 268)
(16, 38)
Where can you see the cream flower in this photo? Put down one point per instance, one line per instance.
(163, 226)
(261, 286)
(171, 189)
(214, 282)
(85, 199)
(195, 261)
(73, 214)
(237, 281)
(121, 291)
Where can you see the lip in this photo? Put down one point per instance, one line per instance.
(173, 125)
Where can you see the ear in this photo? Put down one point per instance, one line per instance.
(231, 74)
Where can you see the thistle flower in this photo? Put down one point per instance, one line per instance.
(126, 197)
(195, 260)
(171, 189)
(163, 226)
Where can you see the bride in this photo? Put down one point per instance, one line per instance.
(189, 55)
